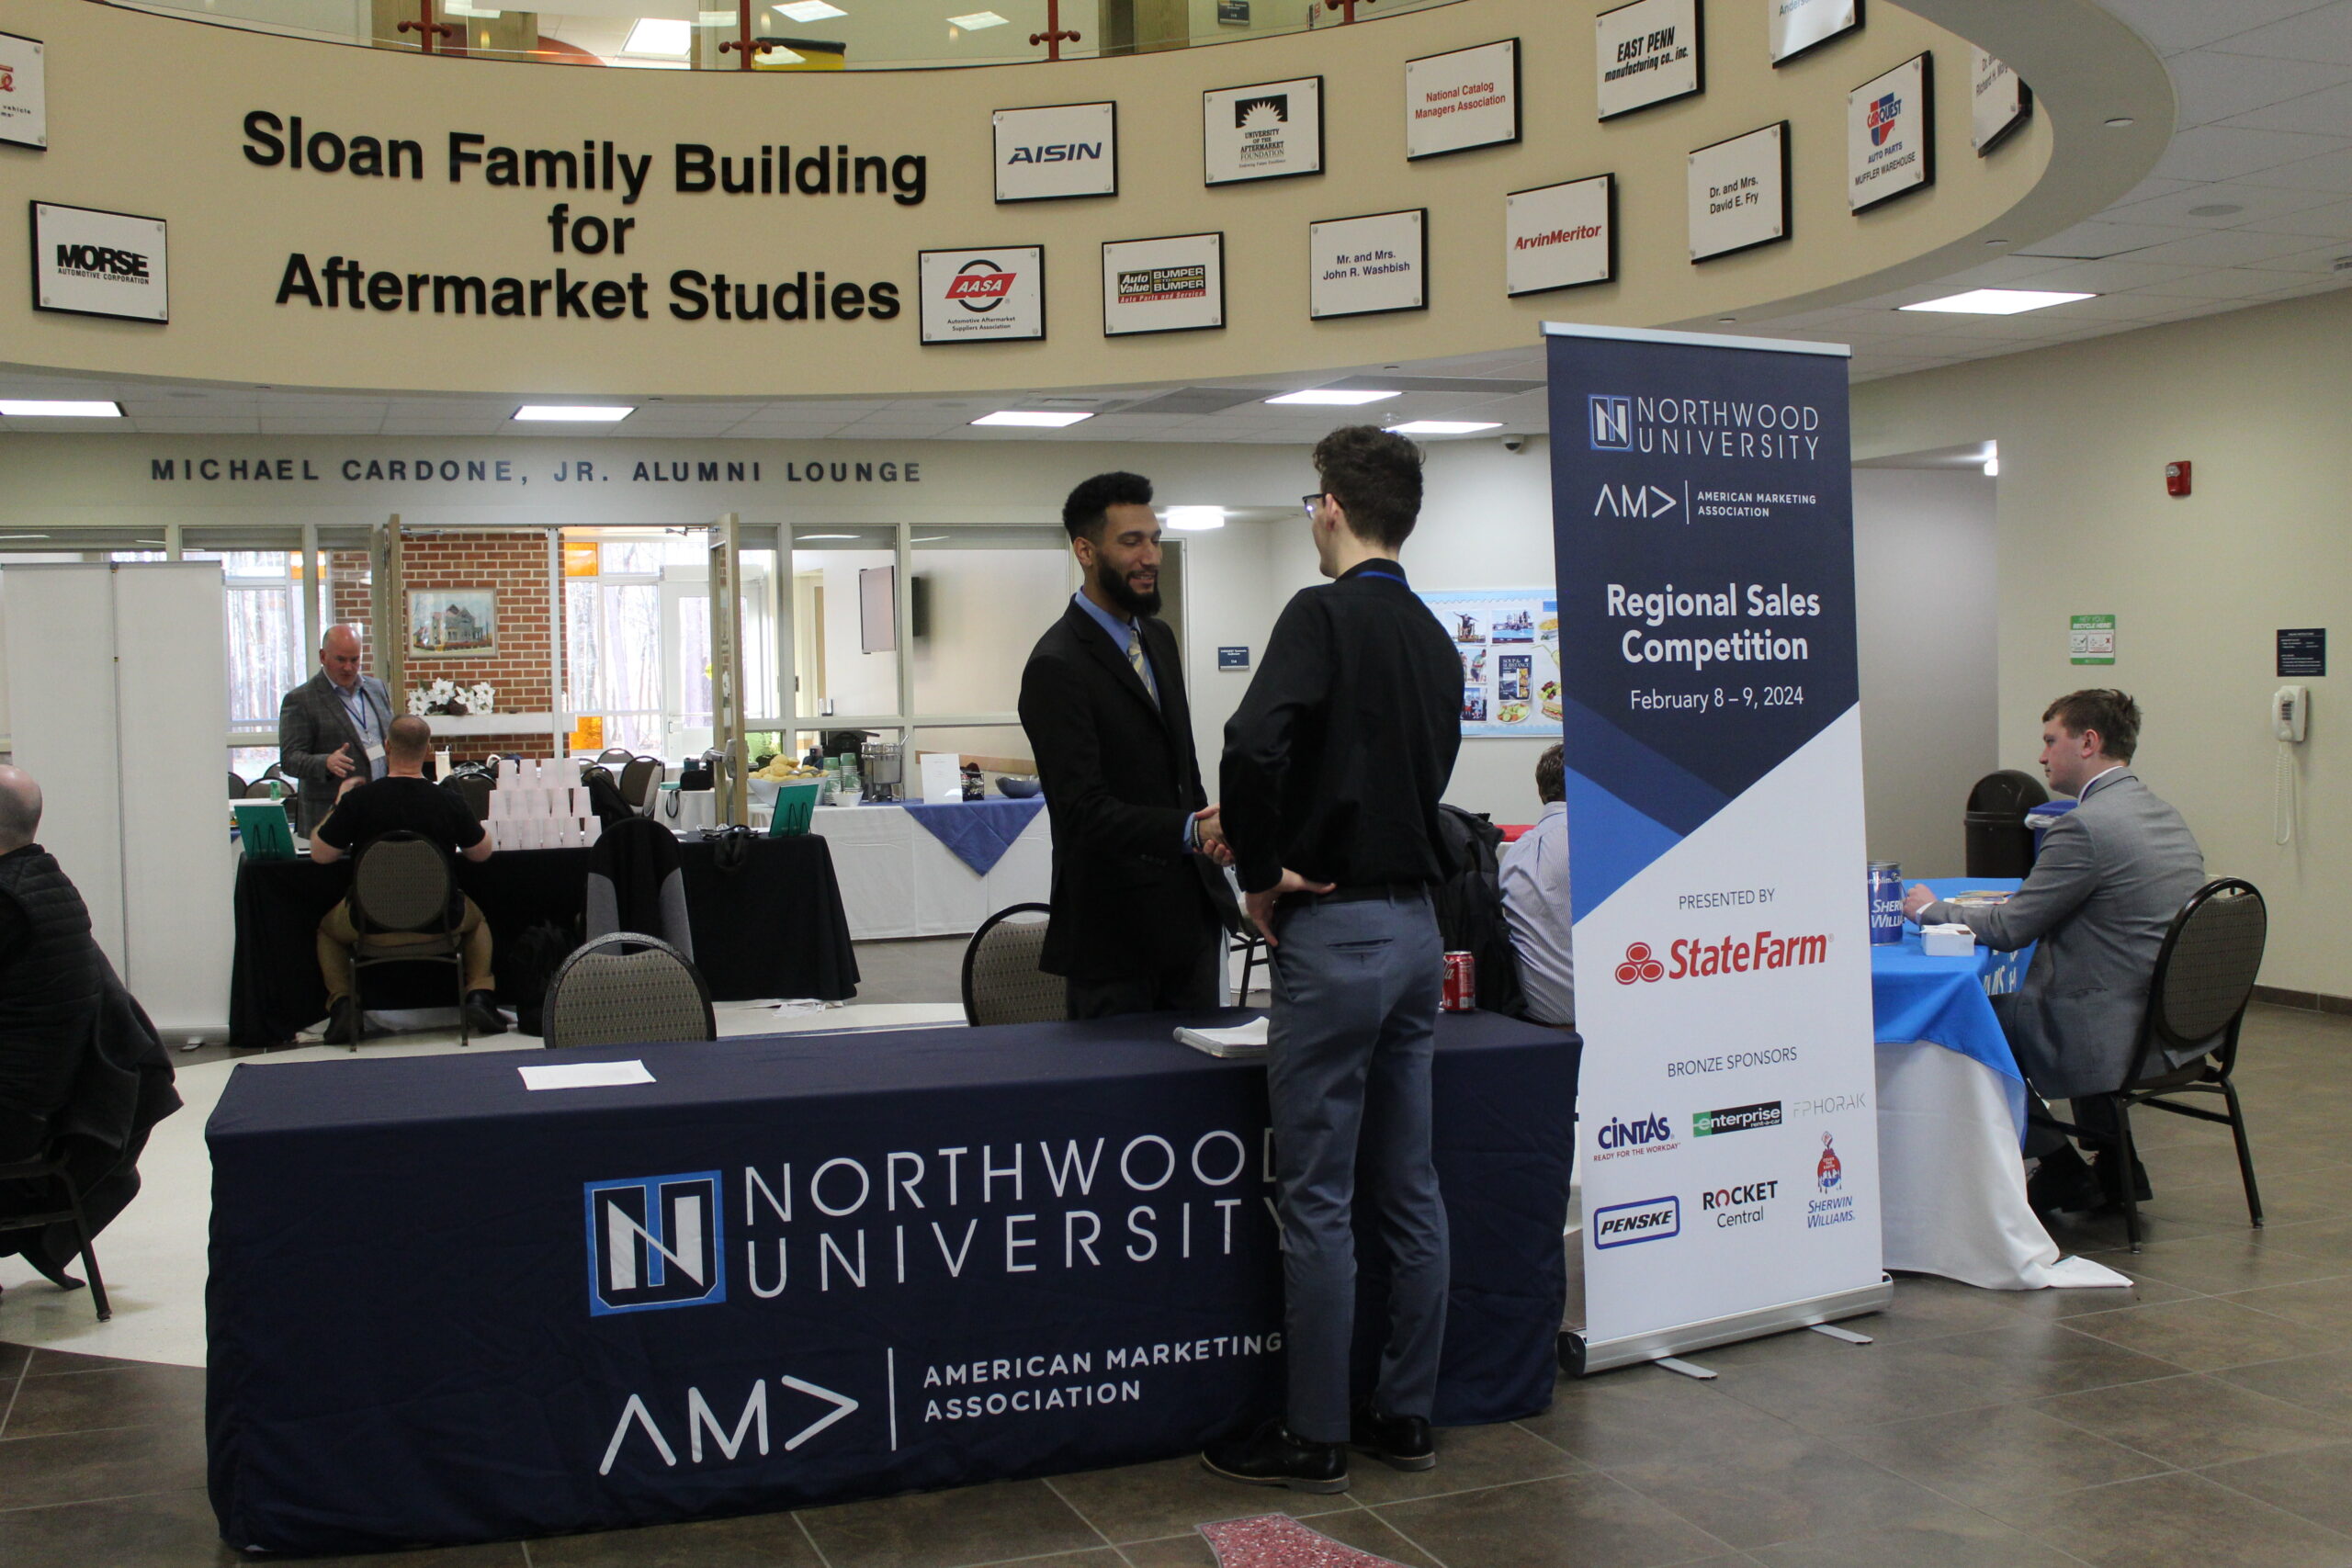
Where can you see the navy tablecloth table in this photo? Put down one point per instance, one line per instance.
(799, 1270)
(774, 928)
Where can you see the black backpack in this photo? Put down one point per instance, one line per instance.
(1470, 908)
(527, 964)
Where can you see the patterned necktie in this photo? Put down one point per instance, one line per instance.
(1135, 657)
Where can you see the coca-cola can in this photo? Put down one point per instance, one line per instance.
(1461, 983)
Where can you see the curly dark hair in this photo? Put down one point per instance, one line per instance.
(1084, 513)
(1551, 775)
(1376, 475)
(2111, 713)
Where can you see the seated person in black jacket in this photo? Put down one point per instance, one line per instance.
(402, 798)
(82, 1074)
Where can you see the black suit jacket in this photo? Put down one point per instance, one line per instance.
(1120, 780)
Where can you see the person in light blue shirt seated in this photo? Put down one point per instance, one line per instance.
(1534, 873)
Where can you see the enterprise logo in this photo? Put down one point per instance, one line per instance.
(1622, 1225)
(1736, 1119)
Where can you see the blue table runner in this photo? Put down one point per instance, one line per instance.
(976, 832)
(1947, 1001)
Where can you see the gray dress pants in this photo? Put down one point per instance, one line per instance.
(1356, 986)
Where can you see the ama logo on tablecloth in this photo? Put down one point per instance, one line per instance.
(655, 1241)
(1880, 119)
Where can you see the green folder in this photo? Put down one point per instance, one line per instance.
(262, 827)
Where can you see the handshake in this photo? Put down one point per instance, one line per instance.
(1208, 833)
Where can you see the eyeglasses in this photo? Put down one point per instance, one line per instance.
(1311, 502)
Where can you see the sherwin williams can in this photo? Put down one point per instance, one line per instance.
(1886, 903)
(1461, 983)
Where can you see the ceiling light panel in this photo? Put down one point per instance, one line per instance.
(50, 408)
(571, 413)
(1996, 302)
(1043, 419)
(1445, 426)
(1334, 397)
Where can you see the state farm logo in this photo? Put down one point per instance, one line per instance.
(1688, 960)
(1622, 1225)
(1640, 963)
(981, 286)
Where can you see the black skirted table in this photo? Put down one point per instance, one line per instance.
(791, 1270)
(773, 926)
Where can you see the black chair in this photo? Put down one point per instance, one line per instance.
(616, 754)
(238, 788)
(404, 908)
(627, 988)
(1001, 981)
(65, 1210)
(1252, 948)
(641, 783)
(474, 790)
(2204, 977)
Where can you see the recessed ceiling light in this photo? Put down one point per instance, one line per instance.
(1997, 301)
(973, 21)
(572, 414)
(660, 35)
(929, 540)
(1191, 519)
(2217, 210)
(814, 538)
(1997, 242)
(1048, 419)
(1333, 396)
(50, 408)
(1445, 426)
(811, 10)
(2120, 121)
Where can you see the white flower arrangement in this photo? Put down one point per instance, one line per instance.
(446, 696)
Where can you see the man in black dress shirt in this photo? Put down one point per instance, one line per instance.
(1333, 768)
(402, 798)
(1137, 920)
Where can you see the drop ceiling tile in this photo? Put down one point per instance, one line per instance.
(2222, 153)
(2322, 113)
(2225, 283)
(2321, 259)
(2253, 202)
(2331, 221)
(2174, 24)
(2148, 190)
(2224, 248)
(2323, 33)
(2111, 277)
(2098, 239)
(2213, 85)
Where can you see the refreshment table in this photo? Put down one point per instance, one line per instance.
(902, 877)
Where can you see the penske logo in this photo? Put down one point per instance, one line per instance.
(1688, 959)
(1622, 1225)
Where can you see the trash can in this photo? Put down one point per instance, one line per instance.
(1999, 844)
(2039, 820)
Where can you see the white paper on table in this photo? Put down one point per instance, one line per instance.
(943, 778)
(584, 1075)
(1250, 1034)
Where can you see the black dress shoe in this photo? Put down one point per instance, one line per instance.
(2106, 1165)
(343, 1022)
(50, 1269)
(2063, 1184)
(482, 1016)
(1269, 1456)
(1401, 1442)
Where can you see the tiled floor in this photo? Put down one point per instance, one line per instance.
(2205, 1418)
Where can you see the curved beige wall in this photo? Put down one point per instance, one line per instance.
(146, 117)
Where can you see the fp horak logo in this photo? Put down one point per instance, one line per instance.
(1613, 422)
(655, 1241)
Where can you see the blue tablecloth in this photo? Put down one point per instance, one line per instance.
(976, 832)
(1947, 1001)
(802, 1269)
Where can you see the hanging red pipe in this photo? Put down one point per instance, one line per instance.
(741, 42)
(1055, 32)
(426, 25)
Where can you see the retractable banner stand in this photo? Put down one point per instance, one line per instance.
(1704, 529)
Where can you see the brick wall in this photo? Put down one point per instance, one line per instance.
(519, 669)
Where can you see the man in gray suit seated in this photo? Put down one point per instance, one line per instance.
(2111, 874)
(332, 725)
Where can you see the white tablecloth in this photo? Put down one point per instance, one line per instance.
(1951, 1184)
(896, 880)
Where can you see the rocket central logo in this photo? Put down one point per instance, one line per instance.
(653, 1242)
(1880, 119)
(981, 286)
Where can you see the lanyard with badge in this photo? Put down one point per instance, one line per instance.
(354, 704)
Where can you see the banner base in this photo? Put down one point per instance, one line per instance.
(1580, 1358)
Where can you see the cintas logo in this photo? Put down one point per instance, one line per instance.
(981, 286)
(1611, 421)
(1688, 960)
(1645, 1136)
(1622, 1225)
(653, 1242)
(1881, 117)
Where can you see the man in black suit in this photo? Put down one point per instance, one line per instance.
(1138, 898)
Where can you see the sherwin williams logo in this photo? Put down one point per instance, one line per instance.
(1831, 1172)
(981, 286)
(1881, 117)
(1837, 1208)
(1736, 1119)
(1622, 1225)
(655, 1241)
(1641, 963)
(1613, 422)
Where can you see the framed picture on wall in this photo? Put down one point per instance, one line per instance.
(24, 99)
(1055, 151)
(1561, 236)
(1798, 26)
(89, 262)
(444, 621)
(2000, 100)
(1740, 192)
(1171, 284)
(1366, 267)
(1462, 99)
(989, 296)
(1268, 131)
(1891, 134)
(1647, 53)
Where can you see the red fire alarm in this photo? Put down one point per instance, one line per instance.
(2176, 478)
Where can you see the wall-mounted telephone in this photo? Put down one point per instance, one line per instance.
(2290, 715)
(2289, 712)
